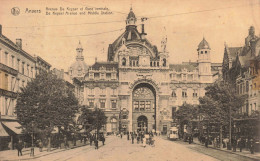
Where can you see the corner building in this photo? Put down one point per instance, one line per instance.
(138, 88)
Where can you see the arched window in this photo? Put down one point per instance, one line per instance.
(124, 62)
(164, 62)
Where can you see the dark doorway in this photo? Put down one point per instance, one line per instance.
(142, 123)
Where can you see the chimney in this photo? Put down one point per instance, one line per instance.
(143, 33)
(1, 30)
(19, 43)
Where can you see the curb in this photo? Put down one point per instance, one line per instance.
(251, 157)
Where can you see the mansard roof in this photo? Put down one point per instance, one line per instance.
(106, 65)
(191, 66)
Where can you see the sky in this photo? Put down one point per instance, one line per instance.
(184, 22)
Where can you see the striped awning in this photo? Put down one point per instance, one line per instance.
(2, 131)
(13, 126)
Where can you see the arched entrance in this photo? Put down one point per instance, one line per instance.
(142, 123)
(144, 107)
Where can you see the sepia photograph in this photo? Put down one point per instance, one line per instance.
(130, 80)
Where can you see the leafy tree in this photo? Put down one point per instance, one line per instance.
(219, 103)
(46, 102)
(92, 119)
(185, 114)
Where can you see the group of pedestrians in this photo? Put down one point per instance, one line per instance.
(95, 138)
(236, 143)
(248, 144)
(141, 137)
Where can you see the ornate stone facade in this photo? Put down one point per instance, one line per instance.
(138, 88)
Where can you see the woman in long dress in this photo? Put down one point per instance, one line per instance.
(144, 142)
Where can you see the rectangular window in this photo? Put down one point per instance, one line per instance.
(22, 67)
(18, 65)
(12, 61)
(6, 106)
(195, 93)
(28, 70)
(12, 84)
(6, 82)
(6, 58)
(184, 93)
(91, 103)
(96, 75)
(113, 103)
(142, 105)
(255, 106)
(102, 103)
(18, 85)
(148, 105)
(136, 105)
(173, 93)
(32, 72)
(108, 76)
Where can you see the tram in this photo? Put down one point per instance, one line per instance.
(173, 134)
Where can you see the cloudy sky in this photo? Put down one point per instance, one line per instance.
(55, 38)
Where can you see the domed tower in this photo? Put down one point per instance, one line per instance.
(78, 68)
(204, 62)
(131, 19)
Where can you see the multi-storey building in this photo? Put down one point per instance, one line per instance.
(137, 87)
(240, 67)
(17, 68)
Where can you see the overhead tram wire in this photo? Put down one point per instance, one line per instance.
(151, 17)
(96, 33)
(92, 6)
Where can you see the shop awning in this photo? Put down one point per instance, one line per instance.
(2, 131)
(14, 126)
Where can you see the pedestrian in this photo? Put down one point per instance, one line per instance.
(190, 140)
(144, 142)
(19, 147)
(252, 146)
(206, 142)
(127, 135)
(32, 150)
(241, 144)
(40, 146)
(132, 137)
(234, 144)
(103, 140)
(121, 135)
(96, 143)
(90, 140)
(246, 143)
(214, 142)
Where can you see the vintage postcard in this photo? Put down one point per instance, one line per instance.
(129, 80)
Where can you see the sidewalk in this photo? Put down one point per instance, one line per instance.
(243, 153)
(13, 154)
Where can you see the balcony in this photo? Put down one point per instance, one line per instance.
(8, 69)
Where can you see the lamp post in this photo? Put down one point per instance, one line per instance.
(32, 148)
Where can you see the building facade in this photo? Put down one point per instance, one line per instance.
(17, 68)
(138, 88)
(241, 68)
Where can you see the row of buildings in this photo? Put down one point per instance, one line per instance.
(17, 68)
(241, 67)
(137, 87)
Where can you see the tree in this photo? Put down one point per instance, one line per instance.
(220, 103)
(185, 114)
(46, 102)
(92, 119)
